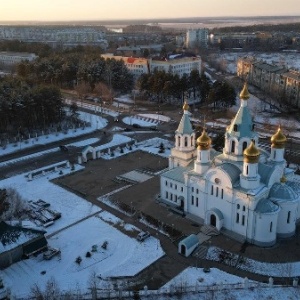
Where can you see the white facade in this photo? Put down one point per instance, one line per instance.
(13, 58)
(197, 37)
(244, 190)
(178, 66)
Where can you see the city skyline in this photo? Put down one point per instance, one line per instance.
(71, 10)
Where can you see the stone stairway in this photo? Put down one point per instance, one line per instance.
(209, 230)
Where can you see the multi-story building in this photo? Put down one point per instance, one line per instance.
(13, 58)
(179, 66)
(174, 65)
(55, 36)
(197, 38)
(276, 80)
(136, 66)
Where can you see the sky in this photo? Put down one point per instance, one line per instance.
(64, 10)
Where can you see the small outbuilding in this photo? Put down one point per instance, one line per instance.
(17, 242)
(188, 245)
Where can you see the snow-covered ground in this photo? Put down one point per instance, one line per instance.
(96, 122)
(74, 242)
(222, 286)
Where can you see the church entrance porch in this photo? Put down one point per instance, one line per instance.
(214, 217)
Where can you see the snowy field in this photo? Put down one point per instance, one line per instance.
(74, 242)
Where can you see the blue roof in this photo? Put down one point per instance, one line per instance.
(265, 172)
(243, 122)
(282, 191)
(231, 170)
(190, 241)
(266, 206)
(185, 126)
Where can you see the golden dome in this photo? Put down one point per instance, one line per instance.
(278, 140)
(203, 141)
(185, 106)
(251, 154)
(244, 94)
(283, 179)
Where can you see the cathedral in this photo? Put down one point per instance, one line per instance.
(244, 190)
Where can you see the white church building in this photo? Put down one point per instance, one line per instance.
(244, 190)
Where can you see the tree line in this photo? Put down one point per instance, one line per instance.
(166, 88)
(69, 69)
(25, 106)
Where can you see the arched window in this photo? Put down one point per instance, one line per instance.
(238, 206)
(288, 217)
(235, 127)
(179, 141)
(185, 142)
(217, 191)
(222, 194)
(232, 146)
(271, 226)
(247, 170)
(212, 190)
(245, 144)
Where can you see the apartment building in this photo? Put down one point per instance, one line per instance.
(179, 66)
(197, 38)
(276, 80)
(13, 58)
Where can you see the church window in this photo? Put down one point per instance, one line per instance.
(244, 145)
(253, 126)
(271, 226)
(222, 194)
(175, 186)
(192, 200)
(167, 195)
(197, 191)
(247, 170)
(217, 191)
(232, 146)
(237, 218)
(217, 180)
(166, 183)
(212, 190)
(171, 196)
(243, 220)
(238, 206)
(179, 141)
(197, 201)
(288, 217)
(185, 142)
(244, 208)
(182, 188)
(171, 185)
(235, 127)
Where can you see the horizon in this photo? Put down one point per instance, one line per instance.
(100, 10)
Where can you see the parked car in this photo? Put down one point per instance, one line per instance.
(143, 235)
(51, 252)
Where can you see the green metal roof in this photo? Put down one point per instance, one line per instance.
(175, 174)
(243, 122)
(190, 241)
(185, 126)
